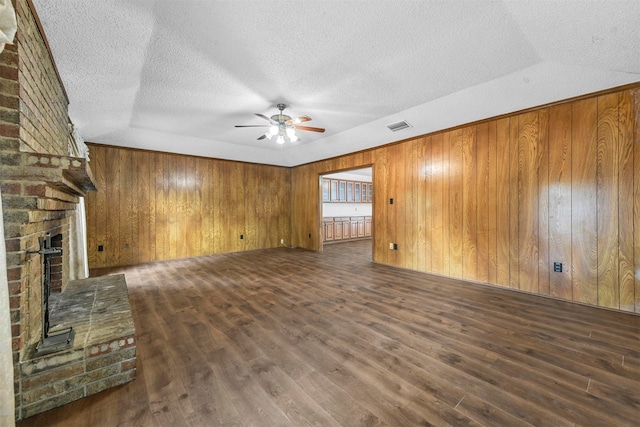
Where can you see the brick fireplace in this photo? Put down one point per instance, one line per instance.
(44, 174)
(41, 195)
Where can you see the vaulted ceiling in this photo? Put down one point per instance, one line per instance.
(177, 76)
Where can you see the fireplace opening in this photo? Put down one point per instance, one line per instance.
(51, 259)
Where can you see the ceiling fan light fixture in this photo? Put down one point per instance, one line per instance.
(283, 127)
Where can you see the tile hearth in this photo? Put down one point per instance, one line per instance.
(98, 309)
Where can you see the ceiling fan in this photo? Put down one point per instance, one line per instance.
(283, 127)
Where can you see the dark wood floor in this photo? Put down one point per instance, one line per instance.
(286, 337)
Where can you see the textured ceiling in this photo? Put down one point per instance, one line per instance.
(177, 75)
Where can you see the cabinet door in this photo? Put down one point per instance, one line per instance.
(328, 231)
(360, 228)
(334, 190)
(363, 191)
(369, 192)
(326, 190)
(346, 229)
(337, 230)
(367, 228)
(342, 191)
(356, 191)
(354, 229)
(349, 191)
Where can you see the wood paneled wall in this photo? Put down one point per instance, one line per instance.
(496, 202)
(500, 201)
(155, 206)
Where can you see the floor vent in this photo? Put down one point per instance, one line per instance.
(394, 127)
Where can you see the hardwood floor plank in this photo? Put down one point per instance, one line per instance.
(340, 404)
(484, 412)
(251, 400)
(289, 396)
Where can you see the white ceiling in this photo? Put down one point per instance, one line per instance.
(178, 75)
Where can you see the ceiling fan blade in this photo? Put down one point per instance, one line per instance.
(252, 126)
(262, 137)
(262, 116)
(312, 129)
(297, 120)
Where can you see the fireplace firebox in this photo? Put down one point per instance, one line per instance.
(50, 341)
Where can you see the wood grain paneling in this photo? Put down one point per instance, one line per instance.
(584, 209)
(559, 197)
(625, 221)
(126, 209)
(456, 200)
(514, 208)
(171, 169)
(389, 184)
(469, 205)
(414, 180)
(200, 166)
(482, 202)
(446, 195)
(492, 202)
(607, 195)
(146, 252)
(160, 221)
(112, 201)
(636, 194)
(543, 202)
(218, 208)
(500, 201)
(422, 207)
(436, 196)
(155, 206)
(96, 214)
(528, 206)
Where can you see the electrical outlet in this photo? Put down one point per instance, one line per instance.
(241, 236)
(100, 248)
(395, 246)
(391, 245)
(557, 267)
(282, 241)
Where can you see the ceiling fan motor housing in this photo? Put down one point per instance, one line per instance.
(281, 118)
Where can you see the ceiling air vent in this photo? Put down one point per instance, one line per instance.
(395, 127)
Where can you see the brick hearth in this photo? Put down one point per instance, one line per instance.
(104, 351)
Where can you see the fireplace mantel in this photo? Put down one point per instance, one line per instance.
(70, 175)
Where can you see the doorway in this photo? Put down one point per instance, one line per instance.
(346, 208)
